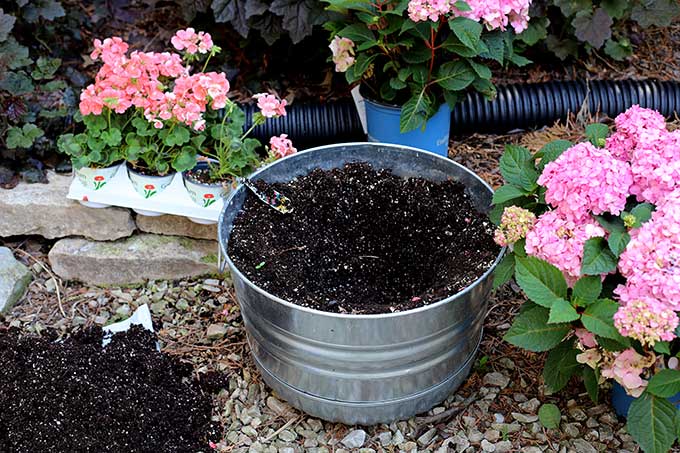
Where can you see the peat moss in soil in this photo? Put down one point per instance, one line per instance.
(75, 396)
(202, 176)
(363, 241)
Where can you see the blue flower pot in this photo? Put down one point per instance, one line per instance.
(383, 126)
(622, 401)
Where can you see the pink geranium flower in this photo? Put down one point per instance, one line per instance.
(281, 146)
(270, 106)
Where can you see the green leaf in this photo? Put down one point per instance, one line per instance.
(455, 76)
(590, 380)
(481, 70)
(506, 193)
(571, 7)
(552, 151)
(542, 282)
(45, 68)
(597, 133)
(598, 318)
(611, 223)
(614, 345)
(665, 383)
(662, 347)
(467, 31)
(536, 31)
(563, 48)
(417, 56)
(16, 83)
(617, 241)
(397, 84)
(597, 258)
(618, 50)
(531, 331)
(560, 366)
(615, 8)
(588, 288)
(112, 137)
(593, 27)
(495, 47)
(504, 271)
(642, 213)
(415, 112)
(562, 311)
(517, 167)
(357, 32)
(6, 24)
(549, 415)
(651, 422)
(185, 160)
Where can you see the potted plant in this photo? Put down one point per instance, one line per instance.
(95, 153)
(152, 105)
(594, 234)
(415, 59)
(229, 154)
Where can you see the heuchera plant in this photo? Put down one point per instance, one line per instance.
(593, 232)
(422, 53)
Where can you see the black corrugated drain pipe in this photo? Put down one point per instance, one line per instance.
(517, 106)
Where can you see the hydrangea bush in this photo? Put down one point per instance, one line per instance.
(422, 53)
(155, 111)
(593, 233)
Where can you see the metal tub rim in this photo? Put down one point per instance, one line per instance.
(225, 255)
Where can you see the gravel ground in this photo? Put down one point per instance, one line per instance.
(199, 321)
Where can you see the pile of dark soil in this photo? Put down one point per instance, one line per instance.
(75, 396)
(363, 241)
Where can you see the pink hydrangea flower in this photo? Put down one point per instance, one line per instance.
(270, 106)
(632, 126)
(655, 164)
(651, 261)
(343, 53)
(495, 15)
(586, 338)
(515, 224)
(587, 179)
(192, 42)
(281, 146)
(626, 369)
(558, 238)
(646, 319)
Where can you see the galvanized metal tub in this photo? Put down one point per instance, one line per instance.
(362, 369)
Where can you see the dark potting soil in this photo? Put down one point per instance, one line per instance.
(75, 396)
(361, 240)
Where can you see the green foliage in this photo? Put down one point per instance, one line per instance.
(542, 282)
(418, 65)
(34, 98)
(560, 366)
(652, 423)
(531, 331)
(569, 27)
(549, 415)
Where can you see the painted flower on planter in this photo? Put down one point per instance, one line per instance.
(99, 182)
(149, 190)
(208, 199)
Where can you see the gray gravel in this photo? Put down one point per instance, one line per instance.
(500, 400)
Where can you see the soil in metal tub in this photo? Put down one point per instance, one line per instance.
(363, 241)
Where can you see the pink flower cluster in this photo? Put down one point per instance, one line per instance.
(281, 146)
(496, 14)
(343, 53)
(647, 320)
(192, 42)
(586, 179)
(270, 106)
(626, 369)
(515, 224)
(142, 80)
(642, 139)
(558, 238)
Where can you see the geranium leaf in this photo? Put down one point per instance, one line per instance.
(651, 422)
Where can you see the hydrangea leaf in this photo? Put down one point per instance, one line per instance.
(618, 241)
(597, 133)
(598, 318)
(517, 167)
(665, 383)
(542, 282)
(467, 31)
(597, 258)
(651, 422)
(562, 311)
(552, 151)
(504, 271)
(415, 112)
(507, 192)
(588, 288)
(560, 366)
(591, 382)
(455, 76)
(531, 331)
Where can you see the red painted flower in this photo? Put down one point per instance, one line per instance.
(85, 198)
(149, 187)
(208, 196)
(98, 178)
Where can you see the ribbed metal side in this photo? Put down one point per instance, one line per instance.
(362, 368)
